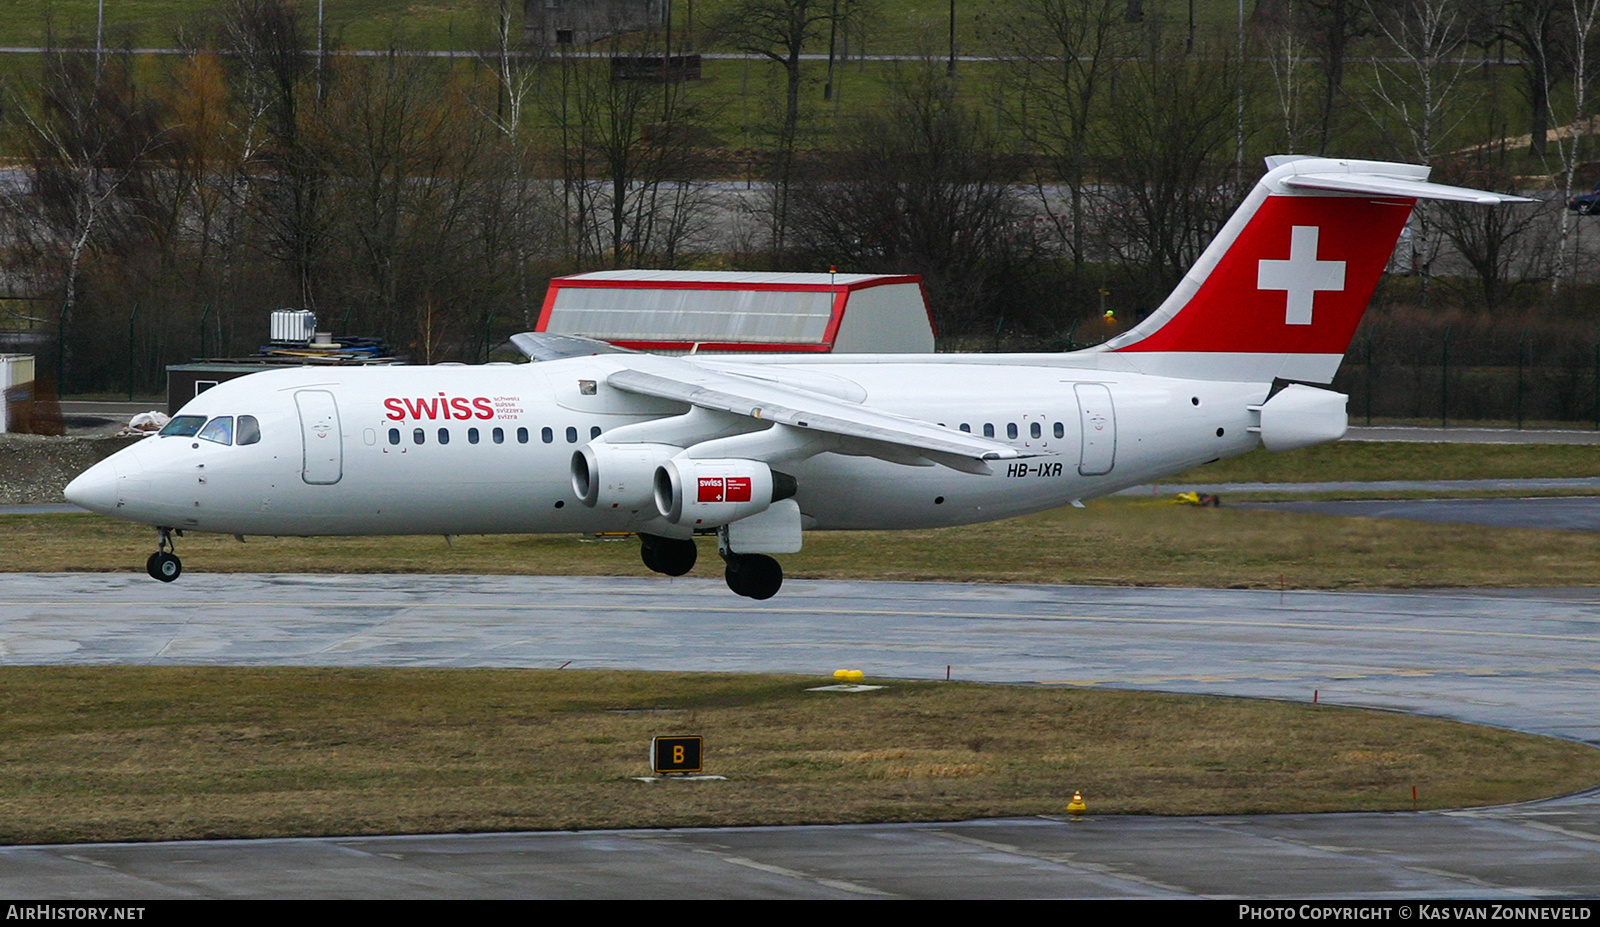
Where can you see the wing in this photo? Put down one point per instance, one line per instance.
(544, 346)
(860, 429)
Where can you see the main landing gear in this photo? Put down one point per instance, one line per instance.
(671, 556)
(164, 564)
(754, 576)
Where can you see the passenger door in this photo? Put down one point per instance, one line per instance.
(1098, 421)
(319, 430)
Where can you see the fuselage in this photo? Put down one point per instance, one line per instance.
(488, 449)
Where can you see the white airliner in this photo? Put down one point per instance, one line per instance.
(589, 438)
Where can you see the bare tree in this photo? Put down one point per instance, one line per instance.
(1067, 54)
(1419, 75)
(515, 211)
(1584, 16)
(1540, 32)
(411, 157)
(1504, 246)
(925, 187)
(1288, 57)
(283, 189)
(1329, 28)
(1417, 97)
(90, 140)
(781, 31)
(1170, 160)
(630, 168)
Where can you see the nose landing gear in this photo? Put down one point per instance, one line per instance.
(164, 564)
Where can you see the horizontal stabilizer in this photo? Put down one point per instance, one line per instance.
(1377, 184)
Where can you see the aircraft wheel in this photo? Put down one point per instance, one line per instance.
(164, 566)
(670, 556)
(650, 554)
(754, 576)
(677, 556)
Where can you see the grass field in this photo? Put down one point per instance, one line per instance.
(165, 753)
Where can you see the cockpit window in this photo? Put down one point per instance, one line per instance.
(183, 426)
(219, 429)
(249, 430)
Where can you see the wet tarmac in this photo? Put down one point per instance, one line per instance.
(1524, 659)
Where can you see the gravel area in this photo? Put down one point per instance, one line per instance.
(34, 468)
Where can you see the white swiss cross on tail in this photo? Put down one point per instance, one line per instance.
(1302, 276)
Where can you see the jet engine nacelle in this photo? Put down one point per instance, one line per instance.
(712, 492)
(618, 476)
(1301, 416)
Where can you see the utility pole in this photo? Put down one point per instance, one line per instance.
(1238, 139)
(833, 35)
(951, 70)
(321, 53)
(99, 41)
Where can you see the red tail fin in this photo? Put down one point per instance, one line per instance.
(1280, 291)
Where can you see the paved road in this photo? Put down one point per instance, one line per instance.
(1571, 484)
(1515, 659)
(1580, 513)
(1527, 659)
(1473, 435)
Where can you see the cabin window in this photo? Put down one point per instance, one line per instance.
(249, 430)
(572, 435)
(472, 436)
(522, 436)
(418, 436)
(1011, 429)
(499, 436)
(547, 435)
(594, 432)
(966, 428)
(183, 426)
(1035, 430)
(444, 436)
(988, 430)
(394, 436)
(218, 430)
(1060, 430)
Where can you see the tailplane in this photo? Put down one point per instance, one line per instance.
(1279, 292)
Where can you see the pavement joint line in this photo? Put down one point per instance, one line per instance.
(884, 613)
(1546, 826)
(1264, 591)
(1066, 860)
(1430, 595)
(840, 884)
(1482, 672)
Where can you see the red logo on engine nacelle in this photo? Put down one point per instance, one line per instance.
(446, 407)
(724, 489)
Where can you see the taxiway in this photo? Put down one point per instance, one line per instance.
(1525, 659)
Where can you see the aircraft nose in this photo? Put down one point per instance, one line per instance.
(95, 489)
